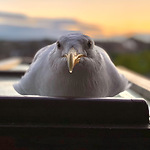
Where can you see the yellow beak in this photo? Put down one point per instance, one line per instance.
(72, 58)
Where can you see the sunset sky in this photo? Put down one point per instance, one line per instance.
(112, 17)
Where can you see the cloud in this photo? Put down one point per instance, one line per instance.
(21, 27)
(12, 15)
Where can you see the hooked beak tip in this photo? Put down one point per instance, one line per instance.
(73, 58)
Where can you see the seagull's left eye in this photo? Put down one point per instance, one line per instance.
(89, 44)
(58, 44)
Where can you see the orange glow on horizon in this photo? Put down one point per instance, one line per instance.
(112, 17)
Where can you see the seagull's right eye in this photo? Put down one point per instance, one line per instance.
(58, 45)
(89, 44)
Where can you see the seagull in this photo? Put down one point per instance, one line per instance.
(72, 67)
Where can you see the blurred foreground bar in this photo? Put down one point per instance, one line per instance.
(72, 111)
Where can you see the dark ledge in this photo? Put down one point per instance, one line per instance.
(90, 111)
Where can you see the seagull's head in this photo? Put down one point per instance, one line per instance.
(75, 48)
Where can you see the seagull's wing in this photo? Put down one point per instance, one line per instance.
(27, 84)
(116, 81)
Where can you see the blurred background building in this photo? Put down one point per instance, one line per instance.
(122, 28)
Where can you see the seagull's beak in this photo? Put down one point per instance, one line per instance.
(72, 58)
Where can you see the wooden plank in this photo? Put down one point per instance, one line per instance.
(140, 84)
(9, 63)
(6, 86)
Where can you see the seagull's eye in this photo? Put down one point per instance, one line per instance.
(89, 44)
(58, 45)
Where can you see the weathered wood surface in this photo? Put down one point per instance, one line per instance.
(6, 86)
(140, 84)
